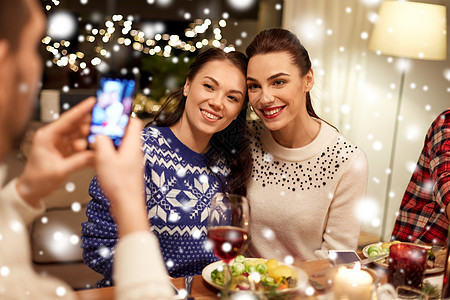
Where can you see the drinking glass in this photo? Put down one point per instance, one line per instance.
(407, 265)
(228, 230)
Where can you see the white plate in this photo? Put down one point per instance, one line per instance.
(302, 277)
(383, 263)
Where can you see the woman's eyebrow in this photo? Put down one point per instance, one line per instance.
(236, 92)
(270, 78)
(217, 83)
(277, 75)
(213, 80)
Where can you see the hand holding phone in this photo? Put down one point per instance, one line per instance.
(111, 112)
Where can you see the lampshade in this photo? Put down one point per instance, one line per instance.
(411, 30)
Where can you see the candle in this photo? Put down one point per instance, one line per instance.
(352, 284)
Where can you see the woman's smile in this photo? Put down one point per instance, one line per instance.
(272, 112)
(210, 116)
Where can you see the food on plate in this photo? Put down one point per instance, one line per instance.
(380, 249)
(435, 260)
(267, 275)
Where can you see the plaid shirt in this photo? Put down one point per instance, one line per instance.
(422, 217)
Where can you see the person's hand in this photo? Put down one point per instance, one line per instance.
(121, 177)
(57, 150)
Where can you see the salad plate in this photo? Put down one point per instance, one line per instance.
(300, 275)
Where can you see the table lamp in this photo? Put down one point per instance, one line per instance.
(408, 30)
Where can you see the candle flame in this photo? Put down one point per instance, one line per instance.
(357, 266)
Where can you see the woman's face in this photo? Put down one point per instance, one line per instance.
(276, 89)
(215, 97)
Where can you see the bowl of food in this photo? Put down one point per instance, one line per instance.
(270, 277)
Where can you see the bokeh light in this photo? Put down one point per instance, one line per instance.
(61, 25)
(241, 4)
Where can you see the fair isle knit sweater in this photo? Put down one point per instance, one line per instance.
(303, 200)
(179, 187)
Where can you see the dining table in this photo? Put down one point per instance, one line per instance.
(201, 290)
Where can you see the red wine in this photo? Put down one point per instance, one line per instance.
(228, 241)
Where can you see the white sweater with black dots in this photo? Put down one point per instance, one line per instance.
(303, 200)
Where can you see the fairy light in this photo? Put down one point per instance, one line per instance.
(122, 32)
(190, 33)
(138, 46)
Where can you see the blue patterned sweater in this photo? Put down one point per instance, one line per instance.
(179, 188)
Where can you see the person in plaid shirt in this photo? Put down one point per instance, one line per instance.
(424, 212)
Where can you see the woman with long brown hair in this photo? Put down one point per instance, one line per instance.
(195, 148)
(307, 178)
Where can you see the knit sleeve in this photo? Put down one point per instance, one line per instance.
(343, 224)
(99, 234)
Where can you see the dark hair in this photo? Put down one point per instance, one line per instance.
(282, 40)
(14, 16)
(232, 143)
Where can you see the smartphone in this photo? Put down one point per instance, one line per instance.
(111, 112)
(343, 256)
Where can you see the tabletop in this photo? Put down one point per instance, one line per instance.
(200, 289)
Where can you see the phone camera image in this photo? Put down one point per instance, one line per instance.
(111, 112)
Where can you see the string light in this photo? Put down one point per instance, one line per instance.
(136, 39)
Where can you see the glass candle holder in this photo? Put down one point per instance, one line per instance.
(407, 265)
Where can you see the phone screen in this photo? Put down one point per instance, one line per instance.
(111, 112)
(343, 257)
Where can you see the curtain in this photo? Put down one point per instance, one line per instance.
(357, 91)
(331, 32)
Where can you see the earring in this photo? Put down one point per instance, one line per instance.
(185, 93)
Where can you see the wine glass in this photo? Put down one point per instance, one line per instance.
(228, 230)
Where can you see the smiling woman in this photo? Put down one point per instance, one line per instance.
(195, 148)
(305, 173)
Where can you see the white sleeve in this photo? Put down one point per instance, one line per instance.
(343, 224)
(10, 195)
(139, 271)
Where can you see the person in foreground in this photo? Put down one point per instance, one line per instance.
(307, 179)
(195, 148)
(57, 150)
(424, 211)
